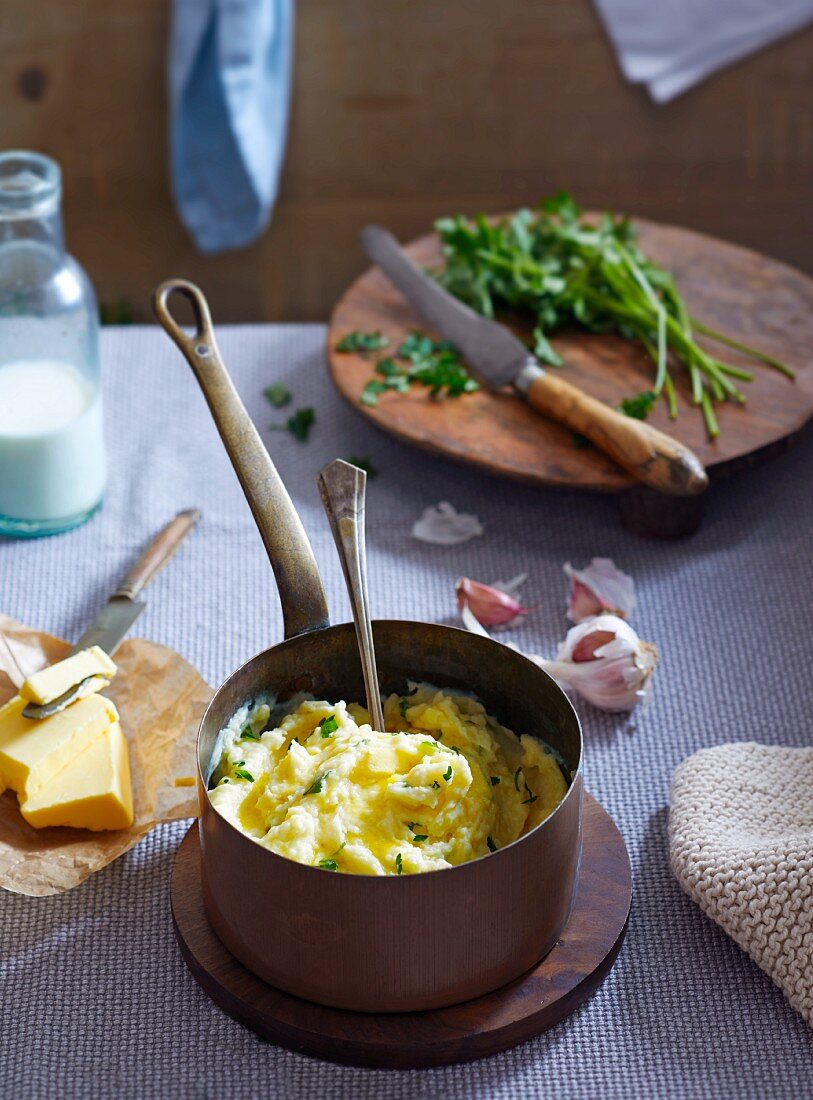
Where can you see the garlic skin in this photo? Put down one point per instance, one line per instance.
(442, 525)
(490, 605)
(605, 661)
(599, 587)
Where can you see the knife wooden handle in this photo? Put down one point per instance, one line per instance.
(654, 457)
(158, 553)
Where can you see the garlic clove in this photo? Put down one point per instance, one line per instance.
(605, 661)
(599, 587)
(489, 604)
(471, 622)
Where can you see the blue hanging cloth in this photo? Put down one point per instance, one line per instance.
(229, 86)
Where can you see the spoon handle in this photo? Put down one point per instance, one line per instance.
(342, 488)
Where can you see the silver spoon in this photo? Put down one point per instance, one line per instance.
(342, 488)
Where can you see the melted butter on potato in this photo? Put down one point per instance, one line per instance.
(443, 784)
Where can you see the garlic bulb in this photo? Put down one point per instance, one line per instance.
(597, 588)
(491, 605)
(605, 661)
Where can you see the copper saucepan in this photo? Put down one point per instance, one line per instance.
(375, 944)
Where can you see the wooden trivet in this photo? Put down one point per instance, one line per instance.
(544, 996)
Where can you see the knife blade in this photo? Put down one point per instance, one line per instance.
(498, 358)
(111, 624)
(492, 351)
(114, 620)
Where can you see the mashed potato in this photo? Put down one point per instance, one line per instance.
(445, 783)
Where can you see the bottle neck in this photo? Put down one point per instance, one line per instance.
(46, 229)
(30, 200)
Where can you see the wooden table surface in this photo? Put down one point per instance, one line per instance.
(401, 112)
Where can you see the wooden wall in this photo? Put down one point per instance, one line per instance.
(403, 110)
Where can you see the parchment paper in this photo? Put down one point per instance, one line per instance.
(161, 698)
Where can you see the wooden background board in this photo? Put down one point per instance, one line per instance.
(401, 111)
(544, 996)
(748, 296)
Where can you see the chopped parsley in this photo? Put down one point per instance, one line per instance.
(402, 706)
(399, 864)
(495, 780)
(436, 785)
(517, 774)
(330, 864)
(531, 796)
(300, 424)
(277, 395)
(376, 386)
(364, 464)
(431, 745)
(447, 775)
(413, 827)
(241, 773)
(455, 749)
(225, 780)
(418, 837)
(361, 342)
(328, 726)
(639, 406)
(318, 784)
(248, 734)
(388, 368)
(433, 364)
(492, 847)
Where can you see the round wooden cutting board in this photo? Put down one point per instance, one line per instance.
(751, 298)
(562, 981)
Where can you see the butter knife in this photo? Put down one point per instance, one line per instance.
(122, 609)
(498, 358)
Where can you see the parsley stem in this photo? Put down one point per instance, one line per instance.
(734, 372)
(697, 383)
(746, 349)
(671, 396)
(708, 415)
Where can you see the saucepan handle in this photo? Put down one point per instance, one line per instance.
(301, 593)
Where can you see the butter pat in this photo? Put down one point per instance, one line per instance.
(47, 685)
(92, 792)
(32, 752)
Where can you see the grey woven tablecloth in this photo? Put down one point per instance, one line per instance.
(96, 1001)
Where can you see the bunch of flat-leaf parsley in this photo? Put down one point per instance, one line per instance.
(564, 270)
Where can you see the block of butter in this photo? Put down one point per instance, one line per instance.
(48, 684)
(92, 792)
(36, 755)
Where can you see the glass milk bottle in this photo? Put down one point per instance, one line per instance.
(52, 463)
